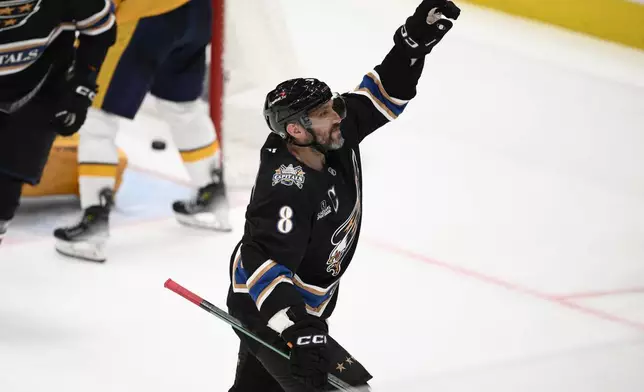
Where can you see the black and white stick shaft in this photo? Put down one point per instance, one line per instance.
(233, 322)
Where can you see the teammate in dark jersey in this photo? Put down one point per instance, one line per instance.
(304, 217)
(47, 82)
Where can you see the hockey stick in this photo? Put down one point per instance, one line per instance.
(212, 309)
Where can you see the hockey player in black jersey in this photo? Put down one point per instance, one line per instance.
(47, 82)
(304, 217)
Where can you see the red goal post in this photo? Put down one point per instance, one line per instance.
(216, 87)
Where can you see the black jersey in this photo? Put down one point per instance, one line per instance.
(37, 38)
(302, 225)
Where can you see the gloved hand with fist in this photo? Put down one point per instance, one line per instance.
(309, 361)
(426, 27)
(77, 96)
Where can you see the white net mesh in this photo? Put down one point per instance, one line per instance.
(258, 55)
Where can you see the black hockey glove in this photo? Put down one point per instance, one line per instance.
(71, 112)
(309, 361)
(426, 27)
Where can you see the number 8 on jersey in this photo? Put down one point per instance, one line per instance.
(285, 224)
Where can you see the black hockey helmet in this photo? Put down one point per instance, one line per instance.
(292, 100)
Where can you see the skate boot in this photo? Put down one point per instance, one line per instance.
(87, 239)
(208, 209)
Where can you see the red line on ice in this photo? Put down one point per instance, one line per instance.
(562, 301)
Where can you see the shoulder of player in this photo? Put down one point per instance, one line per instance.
(280, 173)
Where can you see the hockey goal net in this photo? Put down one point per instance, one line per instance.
(250, 53)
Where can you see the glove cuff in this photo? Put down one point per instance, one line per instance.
(310, 331)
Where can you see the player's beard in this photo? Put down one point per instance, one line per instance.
(335, 141)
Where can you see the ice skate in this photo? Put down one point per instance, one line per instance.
(87, 239)
(208, 209)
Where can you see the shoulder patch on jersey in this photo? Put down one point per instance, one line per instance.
(289, 175)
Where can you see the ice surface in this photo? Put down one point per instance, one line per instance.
(513, 182)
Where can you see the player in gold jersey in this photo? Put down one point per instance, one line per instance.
(163, 54)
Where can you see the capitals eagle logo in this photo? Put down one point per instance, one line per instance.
(344, 235)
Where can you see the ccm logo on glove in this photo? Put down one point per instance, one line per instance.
(413, 44)
(311, 339)
(86, 92)
(76, 97)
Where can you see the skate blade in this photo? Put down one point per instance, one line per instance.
(82, 250)
(204, 221)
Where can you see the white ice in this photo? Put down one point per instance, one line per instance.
(503, 239)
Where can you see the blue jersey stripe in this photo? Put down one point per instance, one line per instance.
(372, 86)
(311, 299)
(267, 278)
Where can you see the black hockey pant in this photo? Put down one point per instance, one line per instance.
(26, 137)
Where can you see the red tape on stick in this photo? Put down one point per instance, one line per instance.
(182, 291)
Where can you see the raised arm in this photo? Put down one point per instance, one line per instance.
(384, 92)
